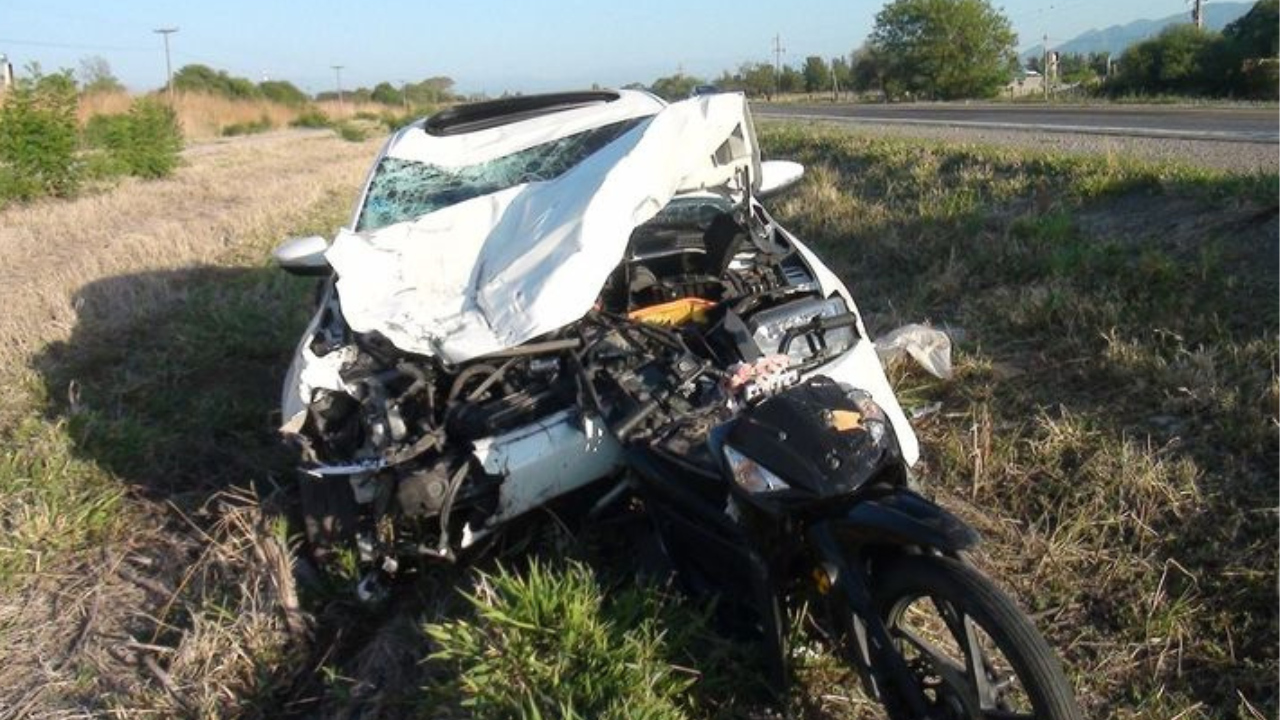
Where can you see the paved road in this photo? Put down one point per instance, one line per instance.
(1222, 124)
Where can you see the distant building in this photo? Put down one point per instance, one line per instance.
(1028, 82)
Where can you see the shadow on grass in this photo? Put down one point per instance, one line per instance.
(177, 394)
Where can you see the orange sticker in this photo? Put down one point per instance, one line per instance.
(845, 420)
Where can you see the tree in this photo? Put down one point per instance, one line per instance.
(840, 68)
(944, 49)
(283, 92)
(387, 94)
(757, 79)
(675, 87)
(95, 76)
(867, 71)
(817, 76)
(204, 79)
(1256, 34)
(790, 80)
(1183, 59)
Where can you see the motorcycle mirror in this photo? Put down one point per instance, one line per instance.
(778, 176)
(303, 256)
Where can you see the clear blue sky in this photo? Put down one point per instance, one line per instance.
(486, 46)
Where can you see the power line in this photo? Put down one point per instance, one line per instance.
(73, 46)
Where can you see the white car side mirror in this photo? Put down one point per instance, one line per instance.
(303, 256)
(777, 176)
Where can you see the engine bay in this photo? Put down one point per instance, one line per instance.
(711, 306)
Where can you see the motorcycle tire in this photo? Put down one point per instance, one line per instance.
(940, 613)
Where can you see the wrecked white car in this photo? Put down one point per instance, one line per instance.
(552, 293)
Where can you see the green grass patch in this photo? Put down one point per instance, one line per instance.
(548, 642)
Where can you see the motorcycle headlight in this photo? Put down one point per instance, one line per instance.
(872, 416)
(751, 475)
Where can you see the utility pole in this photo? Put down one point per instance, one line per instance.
(777, 64)
(337, 72)
(1197, 13)
(835, 82)
(1044, 67)
(168, 66)
(404, 95)
(6, 74)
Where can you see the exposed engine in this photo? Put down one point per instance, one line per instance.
(709, 307)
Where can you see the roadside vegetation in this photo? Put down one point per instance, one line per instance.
(44, 151)
(1111, 429)
(922, 50)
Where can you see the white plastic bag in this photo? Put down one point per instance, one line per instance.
(928, 346)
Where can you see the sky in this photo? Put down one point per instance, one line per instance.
(484, 45)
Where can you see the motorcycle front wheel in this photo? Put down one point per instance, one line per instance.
(973, 653)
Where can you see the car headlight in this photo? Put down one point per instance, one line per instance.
(751, 475)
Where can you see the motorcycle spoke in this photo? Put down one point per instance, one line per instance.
(930, 652)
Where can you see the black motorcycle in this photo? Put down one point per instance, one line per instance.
(805, 493)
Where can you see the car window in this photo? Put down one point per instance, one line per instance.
(405, 189)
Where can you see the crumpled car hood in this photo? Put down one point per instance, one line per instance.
(492, 272)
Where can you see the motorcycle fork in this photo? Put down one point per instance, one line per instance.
(882, 669)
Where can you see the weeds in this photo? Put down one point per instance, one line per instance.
(546, 643)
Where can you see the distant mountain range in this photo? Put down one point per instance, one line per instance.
(1116, 38)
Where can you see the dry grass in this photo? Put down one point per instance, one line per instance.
(210, 208)
(1111, 428)
(204, 116)
(128, 583)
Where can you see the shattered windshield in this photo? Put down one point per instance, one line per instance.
(405, 189)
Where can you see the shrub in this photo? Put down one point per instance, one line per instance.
(351, 132)
(262, 124)
(311, 117)
(38, 138)
(145, 142)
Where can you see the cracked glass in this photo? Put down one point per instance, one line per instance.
(405, 189)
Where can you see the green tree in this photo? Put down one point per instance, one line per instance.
(1256, 34)
(817, 75)
(1183, 60)
(387, 94)
(944, 49)
(95, 76)
(675, 87)
(1251, 45)
(204, 79)
(38, 136)
(867, 70)
(791, 80)
(844, 76)
(283, 92)
(757, 79)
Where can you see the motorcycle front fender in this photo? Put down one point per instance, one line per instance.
(901, 518)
